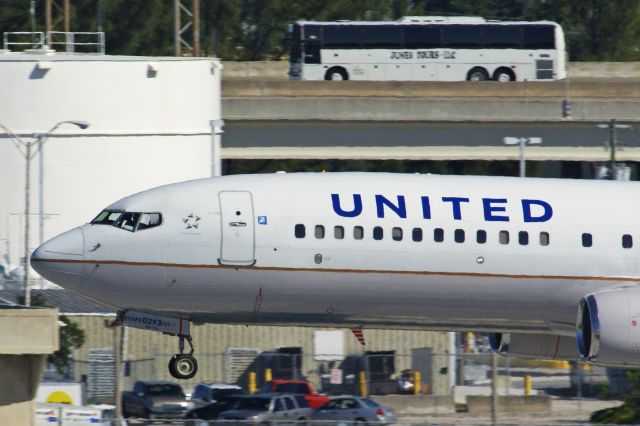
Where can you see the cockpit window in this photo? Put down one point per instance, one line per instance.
(149, 220)
(129, 221)
(106, 217)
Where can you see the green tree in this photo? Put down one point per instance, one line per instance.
(71, 336)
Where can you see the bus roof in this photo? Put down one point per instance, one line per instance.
(437, 20)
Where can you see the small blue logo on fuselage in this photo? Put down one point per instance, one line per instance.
(262, 220)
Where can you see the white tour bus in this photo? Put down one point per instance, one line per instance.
(427, 48)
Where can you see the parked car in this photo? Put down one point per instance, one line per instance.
(155, 399)
(212, 411)
(301, 387)
(360, 411)
(269, 408)
(207, 393)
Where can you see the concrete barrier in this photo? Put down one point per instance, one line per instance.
(405, 405)
(604, 69)
(425, 109)
(28, 335)
(539, 404)
(279, 69)
(592, 89)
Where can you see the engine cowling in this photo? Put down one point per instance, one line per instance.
(535, 346)
(608, 328)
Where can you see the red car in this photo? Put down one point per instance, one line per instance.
(301, 387)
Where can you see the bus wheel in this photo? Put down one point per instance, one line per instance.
(336, 73)
(503, 75)
(477, 74)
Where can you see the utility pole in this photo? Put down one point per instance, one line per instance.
(179, 43)
(28, 153)
(494, 388)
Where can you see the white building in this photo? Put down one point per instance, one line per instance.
(151, 123)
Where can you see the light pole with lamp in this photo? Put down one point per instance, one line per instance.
(522, 142)
(27, 150)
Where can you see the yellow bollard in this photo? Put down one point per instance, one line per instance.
(417, 383)
(252, 382)
(363, 383)
(267, 375)
(527, 385)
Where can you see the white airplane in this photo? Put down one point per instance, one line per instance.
(548, 266)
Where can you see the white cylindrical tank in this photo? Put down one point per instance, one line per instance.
(150, 124)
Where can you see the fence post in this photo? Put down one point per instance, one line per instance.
(527, 385)
(363, 383)
(252, 382)
(417, 382)
(267, 375)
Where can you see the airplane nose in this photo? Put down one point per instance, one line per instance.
(59, 260)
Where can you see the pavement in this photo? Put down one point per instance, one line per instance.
(564, 411)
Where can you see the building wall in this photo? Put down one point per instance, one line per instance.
(149, 125)
(149, 352)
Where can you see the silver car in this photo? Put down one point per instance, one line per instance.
(353, 410)
(268, 409)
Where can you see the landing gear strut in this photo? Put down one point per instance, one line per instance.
(183, 366)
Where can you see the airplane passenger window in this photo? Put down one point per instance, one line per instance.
(300, 231)
(149, 220)
(587, 240)
(523, 238)
(416, 234)
(319, 231)
(358, 232)
(127, 221)
(458, 235)
(377, 233)
(544, 238)
(627, 241)
(438, 235)
(503, 237)
(396, 234)
(481, 236)
(338, 232)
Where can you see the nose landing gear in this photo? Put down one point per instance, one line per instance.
(183, 366)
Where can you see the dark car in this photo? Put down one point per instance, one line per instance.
(211, 411)
(208, 393)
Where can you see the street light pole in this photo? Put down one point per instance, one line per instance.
(612, 125)
(39, 140)
(522, 142)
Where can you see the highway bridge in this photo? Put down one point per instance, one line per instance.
(268, 117)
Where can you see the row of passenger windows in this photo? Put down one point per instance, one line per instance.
(417, 234)
(424, 36)
(459, 235)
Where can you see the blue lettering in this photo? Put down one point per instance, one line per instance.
(426, 207)
(526, 211)
(455, 204)
(490, 209)
(357, 206)
(400, 209)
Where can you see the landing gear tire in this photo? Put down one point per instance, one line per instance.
(183, 366)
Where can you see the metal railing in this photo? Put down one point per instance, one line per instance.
(70, 42)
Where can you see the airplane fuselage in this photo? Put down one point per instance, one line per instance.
(359, 249)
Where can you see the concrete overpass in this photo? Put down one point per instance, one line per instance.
(277, 118)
